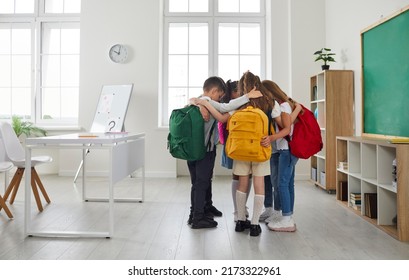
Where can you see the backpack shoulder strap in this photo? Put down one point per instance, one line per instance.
(210, 136)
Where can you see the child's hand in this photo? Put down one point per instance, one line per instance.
(254, 93)
(298, 106)
(265, 141)
(194, 101)
(205, 113)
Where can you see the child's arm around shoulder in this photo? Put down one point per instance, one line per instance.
(216, 114)
(203, 110)
(295, 112)
(235, 103)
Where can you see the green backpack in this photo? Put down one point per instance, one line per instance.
(186, 134)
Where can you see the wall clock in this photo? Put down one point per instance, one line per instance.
(118, 53)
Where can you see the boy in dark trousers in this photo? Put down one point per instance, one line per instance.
(202, 210)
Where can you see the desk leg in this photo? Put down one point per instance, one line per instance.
(143, 182)
(27, 195)
(84, 195)
(111, 195)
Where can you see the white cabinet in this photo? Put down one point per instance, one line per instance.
(368, 169)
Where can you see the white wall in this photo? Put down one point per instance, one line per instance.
(298, 28)
(135, 23)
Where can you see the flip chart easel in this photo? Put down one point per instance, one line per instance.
(111, 111)
(112, 108)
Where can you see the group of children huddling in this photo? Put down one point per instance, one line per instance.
(273, 179)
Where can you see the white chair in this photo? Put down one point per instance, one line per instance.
(5, 166)
(15, 153)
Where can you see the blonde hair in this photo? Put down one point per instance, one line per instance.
(249, 81)
(278, 93)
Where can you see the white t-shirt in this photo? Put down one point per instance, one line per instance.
(276, 112)
(282, 144)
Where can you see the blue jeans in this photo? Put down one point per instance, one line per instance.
(271, 185)
(274, 180)
(286, 173)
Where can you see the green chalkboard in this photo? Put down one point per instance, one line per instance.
(385, 70)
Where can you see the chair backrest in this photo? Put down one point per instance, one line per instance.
(3, 156)
(12, 146)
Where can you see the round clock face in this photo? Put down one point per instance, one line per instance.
(118, 53)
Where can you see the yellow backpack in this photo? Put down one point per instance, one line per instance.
(246, 129)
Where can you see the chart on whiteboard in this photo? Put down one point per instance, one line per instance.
(112, 108)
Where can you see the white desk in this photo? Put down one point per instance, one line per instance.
(126, 154)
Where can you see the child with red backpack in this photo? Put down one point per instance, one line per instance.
(283, 193)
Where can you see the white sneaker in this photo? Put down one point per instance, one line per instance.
(282, 225)
(273, 217)
(268, 211)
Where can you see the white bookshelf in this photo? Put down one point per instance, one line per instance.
(369, 170)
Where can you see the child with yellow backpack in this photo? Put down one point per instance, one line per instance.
(247, 128)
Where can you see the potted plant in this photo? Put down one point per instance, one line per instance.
(325, 55)
(26, 128)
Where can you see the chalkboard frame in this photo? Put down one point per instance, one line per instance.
(385, 116)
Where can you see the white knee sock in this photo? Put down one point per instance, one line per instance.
(234, 185)
(241, 205)
(257, 208)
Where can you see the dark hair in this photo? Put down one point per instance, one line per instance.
(249, 81)
(231, 88)
(214, 82)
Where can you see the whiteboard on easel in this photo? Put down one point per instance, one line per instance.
(112, 108)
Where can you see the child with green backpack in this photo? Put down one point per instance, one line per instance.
(247, 128)
(201, 171)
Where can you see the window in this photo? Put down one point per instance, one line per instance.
(15, 69)
(39, 60)
(203, 38)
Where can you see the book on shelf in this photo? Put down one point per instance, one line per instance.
(371, 205)
(355, 201)
(343, 165)
(314, 174)
(343, 187)
(357, 207)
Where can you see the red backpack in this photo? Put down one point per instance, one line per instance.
(306, 140)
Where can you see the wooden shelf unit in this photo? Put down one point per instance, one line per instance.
(332, 102)
(369, 170)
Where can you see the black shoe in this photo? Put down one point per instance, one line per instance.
(214, 211)
(242, 225)
(209, 215)
(255, 230)
(190, 219)
(203, 223)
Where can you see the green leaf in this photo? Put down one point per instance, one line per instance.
(27, 128)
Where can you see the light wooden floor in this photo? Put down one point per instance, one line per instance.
(156, 229)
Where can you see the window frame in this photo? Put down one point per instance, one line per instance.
(213, 17)
(36, 21)
(38, 85)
